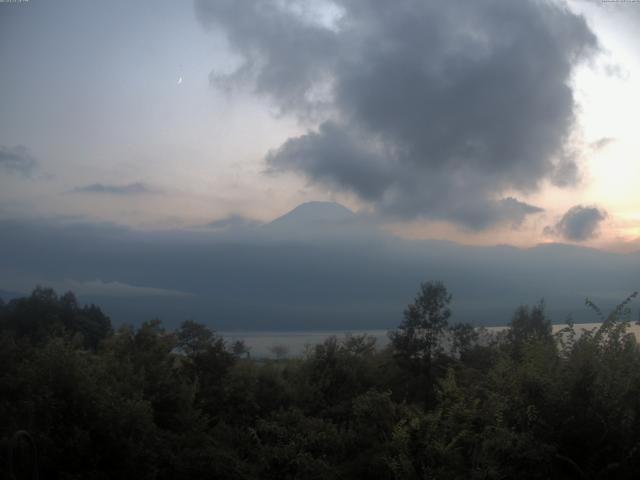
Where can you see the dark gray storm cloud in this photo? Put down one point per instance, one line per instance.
(128, 189)
(578, 224)
(421, 108)
(515, 211)
(17, 160)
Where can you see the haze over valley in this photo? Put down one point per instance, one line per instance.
(318, 267)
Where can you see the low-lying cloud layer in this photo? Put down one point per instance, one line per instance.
(232, 222)
(578, 224)
(128, 189)
(17, 160)
(421, 108)
(310, 269)
(100, 288)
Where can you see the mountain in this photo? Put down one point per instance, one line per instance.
(314, 213)
(318, 222)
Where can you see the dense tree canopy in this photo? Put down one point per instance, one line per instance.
(442, 401)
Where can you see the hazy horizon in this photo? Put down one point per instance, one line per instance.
(319, 266)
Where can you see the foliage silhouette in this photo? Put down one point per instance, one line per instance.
(439, 402)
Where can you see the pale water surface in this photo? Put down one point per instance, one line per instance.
(261, 343)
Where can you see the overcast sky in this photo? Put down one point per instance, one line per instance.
(483, 122)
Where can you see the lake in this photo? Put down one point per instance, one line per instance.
(261, 343)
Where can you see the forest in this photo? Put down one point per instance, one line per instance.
(80, 399)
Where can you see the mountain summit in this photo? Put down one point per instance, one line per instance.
(314, 213)
(315, 221)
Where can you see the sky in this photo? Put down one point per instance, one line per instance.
(486, 122)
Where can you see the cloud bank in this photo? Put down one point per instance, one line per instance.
(128, 189)
(326, 277)
(17, 160)
(421, 108)
(233, 221)
(99, 287)
(578, 224)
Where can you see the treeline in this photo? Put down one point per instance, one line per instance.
(442, 401)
